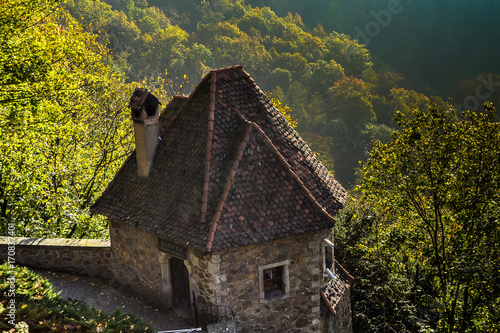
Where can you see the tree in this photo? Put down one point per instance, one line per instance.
(435, 190)
(381, 301)
(351, 100)
(404, 101)
(61, 122)
(351, 55)
(164, 49)
(321, 75)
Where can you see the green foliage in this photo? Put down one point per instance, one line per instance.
(41, 309)
(278, 51)
(433, 193)
(381, 300)
(405, 101)
(61, 123)
(352, 102)
(351, 54)
(284, 109)
(407, 41)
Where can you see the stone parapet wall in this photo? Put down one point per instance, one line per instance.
(238, 285)
(88, 257)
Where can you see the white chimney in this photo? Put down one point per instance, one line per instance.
(146, 127)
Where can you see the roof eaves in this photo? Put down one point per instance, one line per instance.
(229, 182)
(290, 170)
(350, 278)
(93, 208)
(327, 302)
(208, 155)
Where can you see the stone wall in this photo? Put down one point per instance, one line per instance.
(202, 271)
(89, 257)
(340, 322)
(135, 261)
(238, 285)
(137, 265)
(227, 278)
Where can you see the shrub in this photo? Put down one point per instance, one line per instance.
(40, 308)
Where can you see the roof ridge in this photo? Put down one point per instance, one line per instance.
(290, 170)
(180, 97)
(166, 112)
(223, 69)
(172, 100)
(208, 151)
(229, 182)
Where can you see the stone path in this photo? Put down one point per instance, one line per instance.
(108, 296)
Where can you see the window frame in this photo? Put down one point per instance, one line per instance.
(328, 244)
(285, 279)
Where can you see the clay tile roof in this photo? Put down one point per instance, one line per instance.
(334, 290)
(229, 171)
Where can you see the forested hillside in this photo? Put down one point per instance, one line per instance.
(434, 43)
(340, 99)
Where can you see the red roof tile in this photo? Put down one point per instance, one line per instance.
(229, 171)
(335, 289)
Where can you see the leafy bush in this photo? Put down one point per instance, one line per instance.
(39, 307)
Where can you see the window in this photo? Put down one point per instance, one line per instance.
(328, 257)
(274, 281)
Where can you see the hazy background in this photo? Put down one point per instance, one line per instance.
(431, 42)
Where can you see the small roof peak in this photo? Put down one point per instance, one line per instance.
(225, 69)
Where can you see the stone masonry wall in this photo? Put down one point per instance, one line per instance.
(238, 285)
(137, 266)
(89, 257)
(135, 261)
(202, 276)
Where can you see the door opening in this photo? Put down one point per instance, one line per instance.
(180, 284)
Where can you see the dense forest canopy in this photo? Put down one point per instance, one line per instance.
(422, 233)
(433, 42)
(341, 98)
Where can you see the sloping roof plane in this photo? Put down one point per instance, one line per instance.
(229, 171)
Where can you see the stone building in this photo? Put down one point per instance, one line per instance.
(223, 201)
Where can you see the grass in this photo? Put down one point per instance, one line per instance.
(39, 308)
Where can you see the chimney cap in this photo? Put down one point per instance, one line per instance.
(143, 104)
